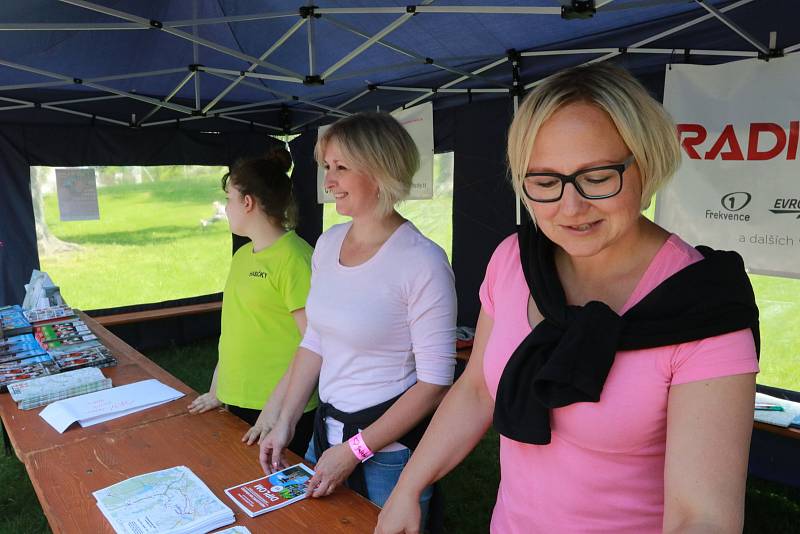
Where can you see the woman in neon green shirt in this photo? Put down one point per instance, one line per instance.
(263, 308)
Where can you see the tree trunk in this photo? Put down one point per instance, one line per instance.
(47, 242)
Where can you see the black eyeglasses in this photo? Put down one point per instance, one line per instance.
(592, 183)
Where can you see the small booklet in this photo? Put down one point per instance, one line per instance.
(84, 357)
(13, 321)
(271, 492)
(51, 313)
(40, 391)
(783, 417)
(61, 330)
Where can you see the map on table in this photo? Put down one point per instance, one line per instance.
(173, 501)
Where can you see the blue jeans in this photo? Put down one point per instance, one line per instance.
(381, 473)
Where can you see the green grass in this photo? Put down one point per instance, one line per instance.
(469, 490)
(147, 246)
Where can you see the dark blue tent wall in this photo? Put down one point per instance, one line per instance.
(483, 201)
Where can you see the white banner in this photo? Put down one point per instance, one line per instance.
(77, 194)
(739, 185)
(418, 121)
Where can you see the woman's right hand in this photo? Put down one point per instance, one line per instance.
(205, 402)
(270, 454)
(400, 515)
(260, 430)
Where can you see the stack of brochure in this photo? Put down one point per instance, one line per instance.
(101, 406)
(13, 321)
(40, 391)
(171, 501)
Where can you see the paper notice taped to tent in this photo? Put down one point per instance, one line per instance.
(77, 194)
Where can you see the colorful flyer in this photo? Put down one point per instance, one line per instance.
(271, 492)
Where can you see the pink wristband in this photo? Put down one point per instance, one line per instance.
(360, 448)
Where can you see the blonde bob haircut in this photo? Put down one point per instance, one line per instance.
(641, 121)
(375, 143)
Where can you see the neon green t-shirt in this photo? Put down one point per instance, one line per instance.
(259, 335)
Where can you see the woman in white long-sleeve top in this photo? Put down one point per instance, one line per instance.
(381, 319)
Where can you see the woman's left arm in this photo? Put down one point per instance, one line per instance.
(709, 424)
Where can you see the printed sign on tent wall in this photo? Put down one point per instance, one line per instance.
(77, 194)
(418, 122)
(739, 185)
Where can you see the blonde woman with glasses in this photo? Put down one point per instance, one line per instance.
(616, 361)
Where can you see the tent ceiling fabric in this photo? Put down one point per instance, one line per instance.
(283, 65)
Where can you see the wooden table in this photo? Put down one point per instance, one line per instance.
(66, 468)
(208, 444)
(29, 433)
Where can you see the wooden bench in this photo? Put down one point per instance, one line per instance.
(162, 313)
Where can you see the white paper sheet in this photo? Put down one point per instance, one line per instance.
(100, 406)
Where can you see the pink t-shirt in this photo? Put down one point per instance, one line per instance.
(604, 468)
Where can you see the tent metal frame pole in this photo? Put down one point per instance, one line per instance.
(15, 100)
(172, 93)
(373, 70)
(306, 123)
(246, 111)
(404, 65)
(353, 99)
(421, 8)
(182, 35)
(32, 85)
(252, 123)
(323, 115)
(141, 98)
(445, 90)
(287, 96)
(422, 59)
(137, 74)
(93, 85)
(252, 105)
(79, 100)
(18, 106)
(389, 28)
(652, 38)
(87, 115)
(733, 26)
(312, 55)
(102, 26)
(277, 44)
(694, 51)
(176, 121)
(254, 85)
(99, 79)
(451, 83)
(247, 74)
(195, 58)
(790, 49)
(67, 26)
(231, 18)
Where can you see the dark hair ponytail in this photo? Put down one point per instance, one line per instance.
(265, 179)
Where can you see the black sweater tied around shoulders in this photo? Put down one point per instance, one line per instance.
(568, 355)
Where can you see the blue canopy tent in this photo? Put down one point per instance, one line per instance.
(136, 82)
(133, 82)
